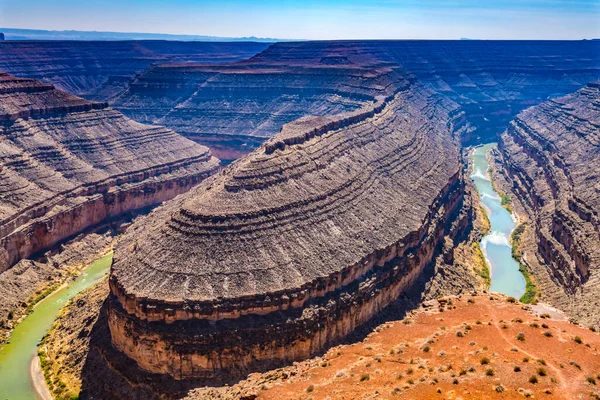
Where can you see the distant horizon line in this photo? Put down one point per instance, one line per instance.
(32, 34)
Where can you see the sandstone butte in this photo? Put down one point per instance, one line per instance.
(292, 247)
(67, 163)
(233, 108)
(550, 154)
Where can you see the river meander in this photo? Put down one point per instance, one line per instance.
(15, 357)
(496, 247)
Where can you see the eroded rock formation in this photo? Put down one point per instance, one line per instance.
(551, 154)
(67, 164)
(294, 246)
(234, 108)
(101, 70)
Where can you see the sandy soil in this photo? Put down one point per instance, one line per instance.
(39, 382)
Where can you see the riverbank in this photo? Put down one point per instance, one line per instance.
(496, 245)
(16, 357)
(38, 380)
(30, 281)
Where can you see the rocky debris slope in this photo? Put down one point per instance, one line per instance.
(233, 108)
(469, 347)
(67, 164)
(100, 70)
(294, 246)
(550, 154)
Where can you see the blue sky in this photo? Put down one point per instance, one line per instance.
(312, 19)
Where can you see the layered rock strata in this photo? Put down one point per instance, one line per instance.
(100, 70)
(67, 164)
(234, 108)
(550, 154)
(492, 80)
(292, 247)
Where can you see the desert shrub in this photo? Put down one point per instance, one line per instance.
(520, 336)
(591, 380)
(533, 379)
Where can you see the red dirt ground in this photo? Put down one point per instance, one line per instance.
(423, 357)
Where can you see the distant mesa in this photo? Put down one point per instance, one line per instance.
(550, 154)
(234, 108)
(41, 34)
(294, 246)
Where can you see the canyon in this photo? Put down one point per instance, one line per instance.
(100, 70)
(67, 164)
(321, 236)
(251, 89)
(548, 157)
(347, 200)
(238, 106)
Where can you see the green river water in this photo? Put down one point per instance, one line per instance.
(16, 357)
(496, 247)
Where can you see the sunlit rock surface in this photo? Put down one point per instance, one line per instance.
(551, 155)
(295, 245)
(67, 164)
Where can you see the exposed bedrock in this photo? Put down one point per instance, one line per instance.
(550, 154)
(67, 164)
(100, 70)
(292, 247)
(238, 106)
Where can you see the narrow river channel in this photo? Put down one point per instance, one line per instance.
(496, 247)
(16, 357)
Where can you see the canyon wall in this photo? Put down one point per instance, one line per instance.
(67, 164)
(550, 155)
(492, 80)
(294, 246)
(101, 70)
(233, 108)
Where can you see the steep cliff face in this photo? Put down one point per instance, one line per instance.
(67, 164)
(294, 246)
(550, 154)
(101, 70)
